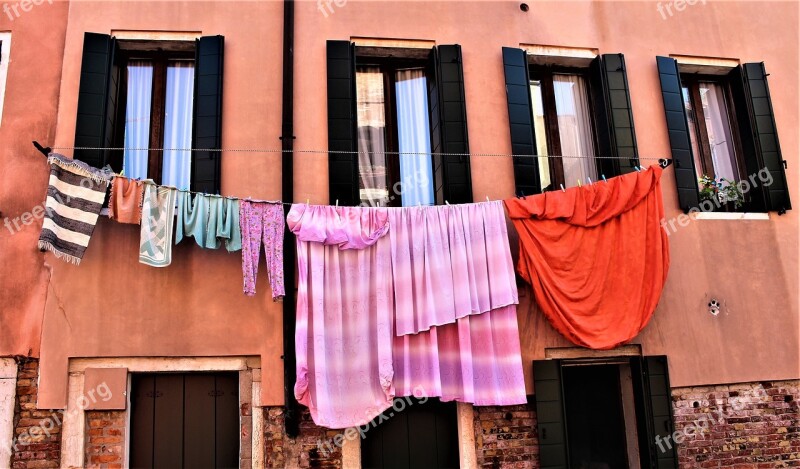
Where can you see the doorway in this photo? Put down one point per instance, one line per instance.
(184, 420)
(595, 417)
(424, 434)
(603, 413)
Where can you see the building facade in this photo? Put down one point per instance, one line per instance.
(99, 357)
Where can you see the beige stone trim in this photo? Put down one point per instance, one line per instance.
(351, 453)
(705, 65)
(633, 350)
(74, 419)
(156, 35)
(8, 392)
(397, 43)
(729, 216)
(466, 435)
(556, 55)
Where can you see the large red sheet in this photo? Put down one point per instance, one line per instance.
(596, 256)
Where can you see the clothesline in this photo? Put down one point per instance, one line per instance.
(361, 152)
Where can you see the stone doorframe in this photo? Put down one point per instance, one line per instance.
(251, 446)
(8, 394)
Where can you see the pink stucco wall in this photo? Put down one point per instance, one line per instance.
(113, 306)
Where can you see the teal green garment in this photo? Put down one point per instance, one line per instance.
(209, 219)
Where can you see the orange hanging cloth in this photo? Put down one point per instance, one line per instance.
(125, 203)
(596, 256)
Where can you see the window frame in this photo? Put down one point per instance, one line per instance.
(544, 74)
(389, 66)
(5, 60)
(692, 83)
(160, 57)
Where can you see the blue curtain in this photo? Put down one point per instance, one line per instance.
(137, 118)
(414, 136)
(177, 164)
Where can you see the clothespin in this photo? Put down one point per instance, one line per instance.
(487, 198)
(307, 202)
(446, 202)
(604, 179)
(589, 179)
(579, 183)
(562, 188)
(337, 202)
(636, 168)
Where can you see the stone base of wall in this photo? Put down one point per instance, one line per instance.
(37, 433)
(105, 439)
(307, 450)
(749, 425)
(505, 437)
(739, 425)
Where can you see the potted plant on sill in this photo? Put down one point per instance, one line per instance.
(725, 194)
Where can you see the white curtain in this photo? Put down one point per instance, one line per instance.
(137, 118)
(413, 133)
(719, 131)
(177, 166)
(371, 136)
(540, 131)
(574, 128)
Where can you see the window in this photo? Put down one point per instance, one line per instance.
(563, 124)
(5, 49)
(157, 113)
(573, 107)
(720, 124)
(385, 100)
(393, 117)
(144, 94)
(711, 130)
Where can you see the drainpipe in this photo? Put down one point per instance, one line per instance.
(291, 413)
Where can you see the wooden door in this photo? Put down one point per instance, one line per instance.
(185, 420)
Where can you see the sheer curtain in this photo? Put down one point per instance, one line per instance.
(371, 135)
(177, 165)
(137, 117)
(540, 131)
(574, 128)
(719, 131)
(413, 133)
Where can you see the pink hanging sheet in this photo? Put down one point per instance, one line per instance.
(428, 310)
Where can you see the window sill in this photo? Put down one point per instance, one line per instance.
(730, 216)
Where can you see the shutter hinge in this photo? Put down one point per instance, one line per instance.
(785, 164)
(782, 211)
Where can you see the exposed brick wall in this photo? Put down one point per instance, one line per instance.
(105, 439)
(37, 432)
(307, 450)
(739, 426)
(505, 437)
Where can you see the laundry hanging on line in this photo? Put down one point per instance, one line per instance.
(596, 256)
(361, 271)
(125, 202)
(210, 219)
(75, 196)
(158, 223)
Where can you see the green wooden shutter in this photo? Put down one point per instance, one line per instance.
(453, 181)
(678, 129)
(654, 412)
(764, 136)
(207, 122)
(619, 116)
(97, 99)
(342, 167)
(520, 121)
(550, 414)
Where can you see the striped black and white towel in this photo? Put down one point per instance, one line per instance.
(75, 197)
